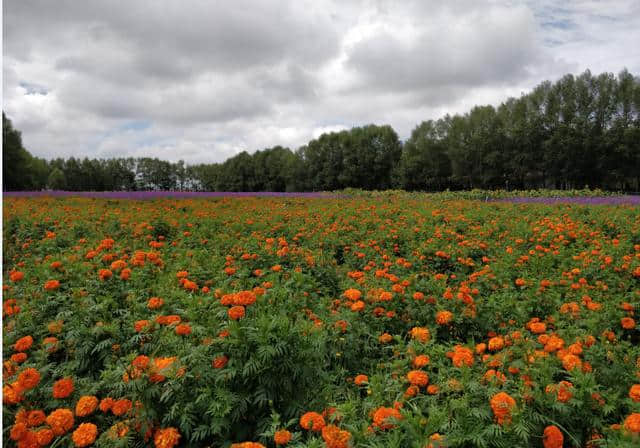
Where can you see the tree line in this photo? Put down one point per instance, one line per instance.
(581, 131)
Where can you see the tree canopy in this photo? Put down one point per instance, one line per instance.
(581, 131)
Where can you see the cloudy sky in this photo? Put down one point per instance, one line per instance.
(203, 80)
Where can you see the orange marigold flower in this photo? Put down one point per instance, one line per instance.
(628, 323)
(166, 438)
(360, 379)
(312, 421)
(219, 362)
(105, 274)
(418, 378)
(501, 405)
(23, 344)
(357, 306)
(236, 312)
(16, 276)
(36, 418)
(60, 421)
(462, 356)
(140, 325)
(538, 327)
(383, 418)
(12, 393)
(496, 343)
(385, 338)
(552, 437)
(154, 303)
(141, 362)
(18, 431)
(29, 378)
(85, 434)
(183, 330)
(420, 333)
(244, 298)
(570, 362)
(121, 407)
(632, 423)
(106, 403)
(335, 437)
(421, 361)
(86, 405)
(44, 436)
(63, 388)
(444, 317)
(51, 285)
(634, 393)
(282, 437)
(562, 391)
(352, 294)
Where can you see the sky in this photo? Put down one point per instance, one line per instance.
(201, 81)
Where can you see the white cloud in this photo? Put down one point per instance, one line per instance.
(201, 81)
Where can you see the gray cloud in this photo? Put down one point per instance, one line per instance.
(212, 78)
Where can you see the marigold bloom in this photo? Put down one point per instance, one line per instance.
(141, 362)
(140, 325)
(60, 421)
(183, 329)
(563, 391)
(36, 418)
(154, 303)
(16, 276)
(312, 421)
(628, 323)
(18, 431)
(335, 437)
(23, 344)
(462, 356)
(420, 361)
(166, 438)
(12, 393)
(51, 285)
(552, 437)
(496, 343)
(121, 407)
(244, 298)
(44, 436)
(105, 274)
(29, 378)
(360, 379)
(86, 405)
(420, 333)
(63, 388)
(383, 418)
(106, 403)
(219, 362)
(444, 317)
(282, 437)
(418, 378)
(570, 362)
(501, 405)
(538, 327)
(632, 423)
(236, 312)
(357, 306)
(385, 338)
(85, 435)
(634, 393)
(352, 294)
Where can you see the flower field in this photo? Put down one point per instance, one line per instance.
(383, 321)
